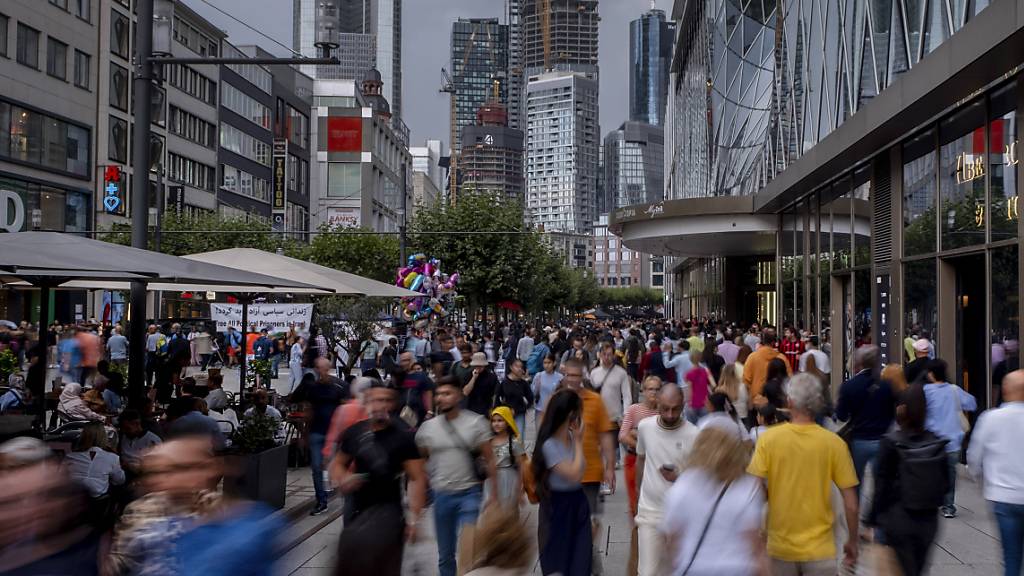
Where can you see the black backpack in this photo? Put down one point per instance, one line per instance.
(923, 473)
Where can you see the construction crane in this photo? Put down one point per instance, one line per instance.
(448, 87)
(545, 30)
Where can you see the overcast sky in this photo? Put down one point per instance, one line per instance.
(426, 31)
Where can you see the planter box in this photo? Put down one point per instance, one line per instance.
(263, 477)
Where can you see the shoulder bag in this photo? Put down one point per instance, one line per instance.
(707, 525)
(965, 424)
(477, 459)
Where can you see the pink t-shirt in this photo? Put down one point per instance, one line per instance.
(698, 379)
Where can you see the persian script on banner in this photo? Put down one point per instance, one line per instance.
(275, 317)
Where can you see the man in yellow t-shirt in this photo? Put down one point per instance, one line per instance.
(799, 462)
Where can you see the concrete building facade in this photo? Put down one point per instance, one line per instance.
(563, 143)
(491, 159)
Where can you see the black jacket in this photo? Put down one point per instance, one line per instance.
(868, 403)
(481, 400)
(516, 394)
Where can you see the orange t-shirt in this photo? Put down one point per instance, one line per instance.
(595, 423)
(755, 369)
(250, 339)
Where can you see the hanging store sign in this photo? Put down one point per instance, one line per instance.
(275, 317)
(279, 198)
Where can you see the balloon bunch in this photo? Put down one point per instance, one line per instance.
(423, 275)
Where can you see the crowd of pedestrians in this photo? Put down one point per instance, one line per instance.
(738, 455)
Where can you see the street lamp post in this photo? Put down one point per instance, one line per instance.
(144, 63)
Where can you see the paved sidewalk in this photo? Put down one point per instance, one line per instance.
(967, 544)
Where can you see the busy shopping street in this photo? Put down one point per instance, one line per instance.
(511, 287)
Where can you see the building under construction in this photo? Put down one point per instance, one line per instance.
(491, 158)
(479, 62)
(560, 35)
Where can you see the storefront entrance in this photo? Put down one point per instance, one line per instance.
(968, 366)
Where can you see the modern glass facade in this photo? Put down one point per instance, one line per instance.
(479, 61)
(650, 56)
(634, 164)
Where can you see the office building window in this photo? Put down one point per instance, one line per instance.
(119, 87)
(192, 128)
(3, 34)
(119, 33)
(117, 143)
(298, 128)
(344, 179)
(28, 46)
(83, 67)
(234, 140)
(83, 9)
(41, 139)
(241, 182)
(242, 104)
(191, 172)
(192, 83)
(62, 4)
(56, 58)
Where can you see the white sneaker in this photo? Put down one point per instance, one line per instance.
(606, 490)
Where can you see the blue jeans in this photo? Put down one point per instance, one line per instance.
(1010, 518)
(520, 420)
(863, 453)
(452, 511)
(695, 414)
(275, 361)
(316, 464)
(949, 502)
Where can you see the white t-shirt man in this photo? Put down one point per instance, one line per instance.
(659, 446)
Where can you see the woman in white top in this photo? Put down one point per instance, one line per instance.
(713, 512)
(732, 384)
(91, 464)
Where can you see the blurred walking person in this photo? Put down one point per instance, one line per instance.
(456, 444)
(564, 533)
(799, 462)
(663, 444)
(996, 457)
(910, 484)
(867, 404)
(946, 404)
(372, 457)
(714, 511)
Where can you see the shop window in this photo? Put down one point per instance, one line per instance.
(962, 215)
(26, 135)
(919, 195)
(861, 211)
(52, 205)
(77, 217)
(1005, 315)
(1002, 160)
(920, 298)
(55, 143)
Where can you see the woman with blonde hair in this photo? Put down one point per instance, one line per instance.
(715, 501)
(894, 375)
(503, 545)
(731, 384)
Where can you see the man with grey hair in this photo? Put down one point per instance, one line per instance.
(799, 462)
(868, 405)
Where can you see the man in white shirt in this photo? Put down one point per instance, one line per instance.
(995, 456)
(135, 441)
(117, 346)
(216, 399)
(821, 361)
(662, 445)
(612, 381)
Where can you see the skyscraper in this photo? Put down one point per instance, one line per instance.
(516, 80)
(650, 57)
(479, 62)
(492, 154)
(563, 144)
(634, 157)
(563, 38)
(369, 35)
